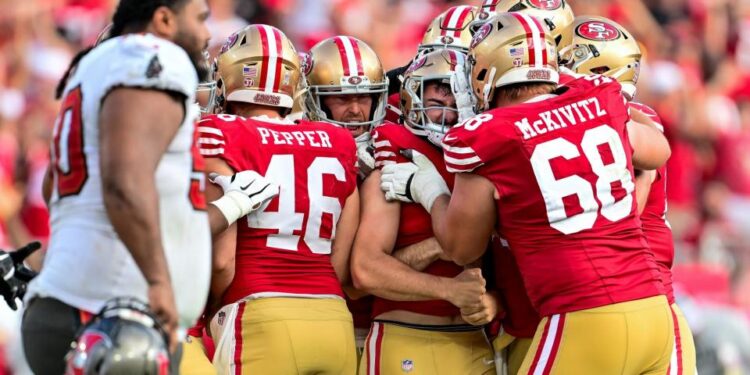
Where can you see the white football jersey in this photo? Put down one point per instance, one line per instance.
(86, 263)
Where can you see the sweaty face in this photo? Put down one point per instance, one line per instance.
(350, 108)
(192, 34)
(438, 95)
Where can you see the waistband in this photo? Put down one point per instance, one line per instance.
(436, 333)
(280, 308)
(634, 305)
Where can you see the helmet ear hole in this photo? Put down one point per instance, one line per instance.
(482, 73)
(550, 24)
(600, 69)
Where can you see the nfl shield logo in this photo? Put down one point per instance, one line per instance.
(221, 318)
(407, 365)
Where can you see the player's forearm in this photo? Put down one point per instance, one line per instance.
(220, 281)
(216, 220)
(132, 205)
(386, 277)
(457, 243)
(419, 255)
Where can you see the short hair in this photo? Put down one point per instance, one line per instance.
(136, 14)
(442, 87)
(515, 91)
(130, 14)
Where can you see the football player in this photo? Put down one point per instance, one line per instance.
(346, 86)
(450, 29)
(128, 214)
(278, 273)
(421, 314)
(552, 172)
(597, 45)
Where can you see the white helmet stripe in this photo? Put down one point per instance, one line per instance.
(536, 37)
(351, 58)
(273, 58)
(457, 15)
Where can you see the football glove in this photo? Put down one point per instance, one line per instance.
(244, 193)
(15, 275)
(417, 181)
(465, 100)
(365, 159)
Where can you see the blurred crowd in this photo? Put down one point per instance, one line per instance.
(696, 74)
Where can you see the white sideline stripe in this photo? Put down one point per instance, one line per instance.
(372, 347)
(549, 341)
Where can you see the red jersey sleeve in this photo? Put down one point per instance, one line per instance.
(386, 146)
(466, 146)
(215, 135)
(648, 111)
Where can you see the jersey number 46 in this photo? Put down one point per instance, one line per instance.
(287, 220)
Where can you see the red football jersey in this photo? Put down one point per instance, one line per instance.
(654, 216)
(415, 223)
(286, 247)
(562, 167)
(520, 318)
(566, 76)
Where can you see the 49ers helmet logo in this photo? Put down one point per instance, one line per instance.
(546, 4)
(597, 30)
(482, 33)
(418, 63)
(305, 62)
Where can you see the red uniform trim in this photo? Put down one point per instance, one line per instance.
(238, 339)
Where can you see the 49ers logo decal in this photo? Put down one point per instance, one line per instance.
(305, 62)
(231, 40)
(597, 30)
(481, 34)
(418, 63)
(546, 4)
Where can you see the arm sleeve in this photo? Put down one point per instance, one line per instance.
(146, 61)
(213, 140)
(386, 151)
(460, 148)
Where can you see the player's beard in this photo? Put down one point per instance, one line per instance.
(195, 51)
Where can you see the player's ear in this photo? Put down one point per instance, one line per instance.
(164, 22)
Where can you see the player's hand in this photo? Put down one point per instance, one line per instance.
(244, 193)
(465, 100)
(162, 304)
(365, 160)
(483, 312)
(14, 275)
(418, 181)
(467, 288)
